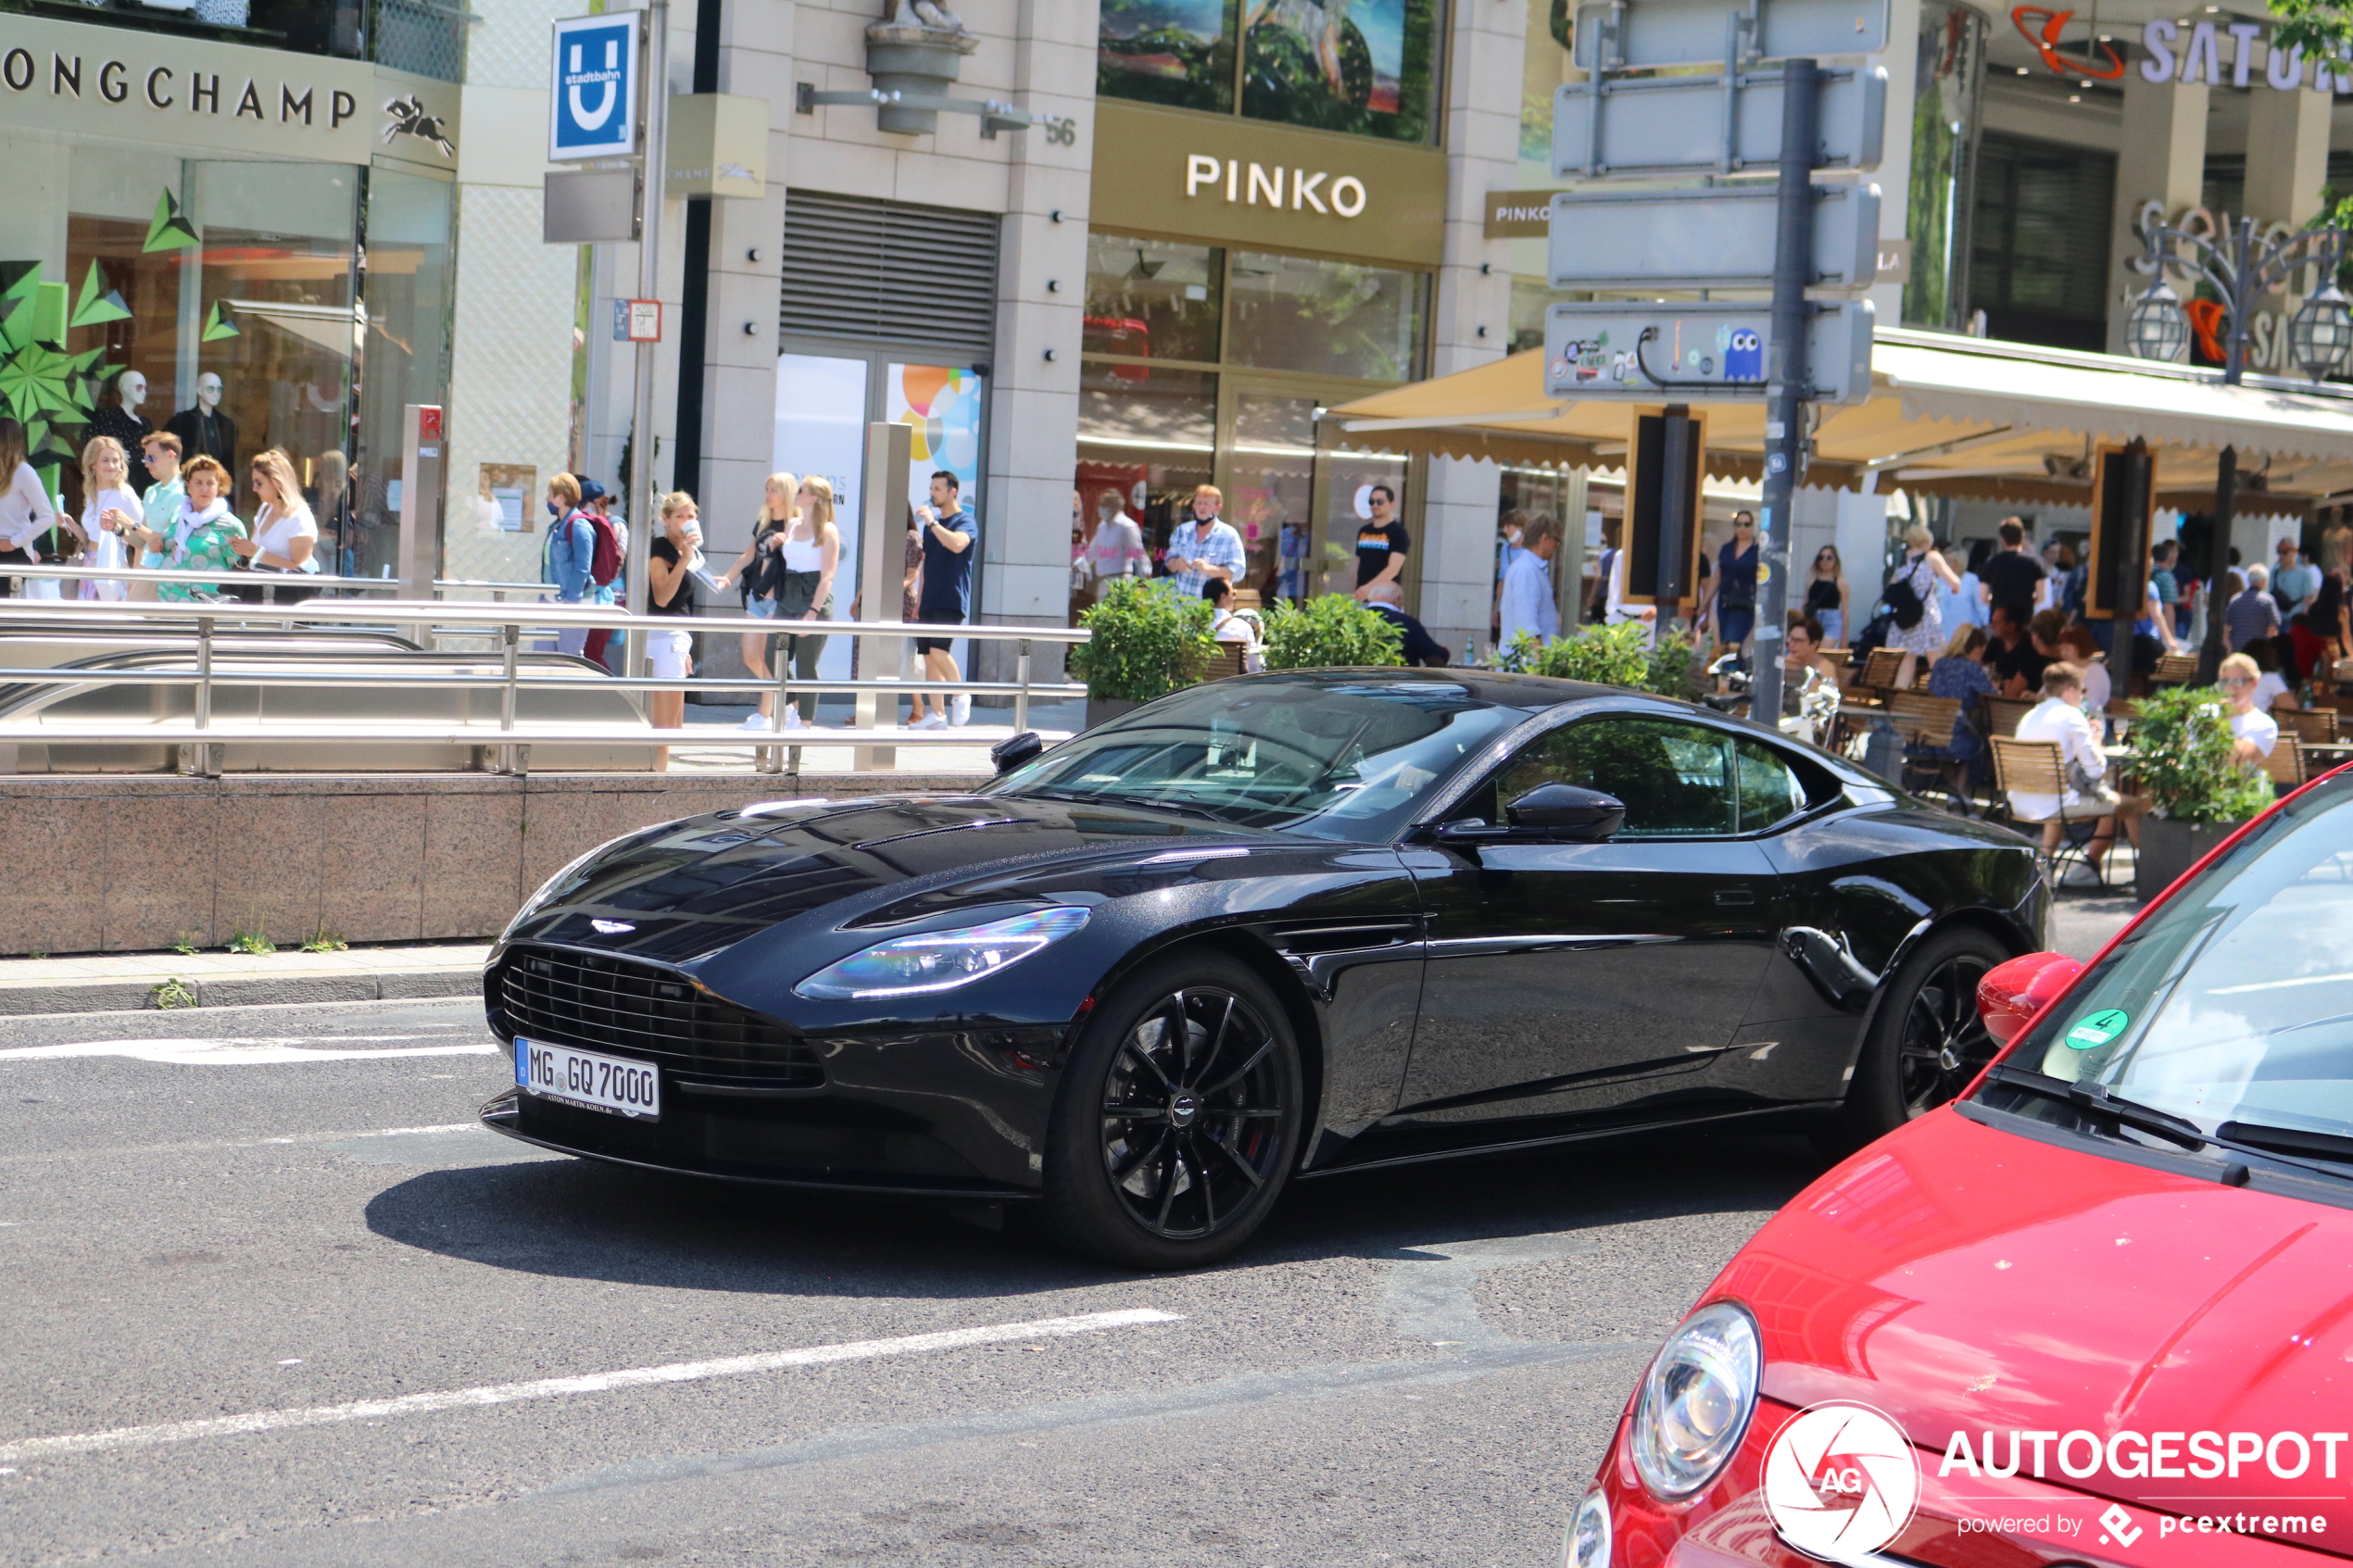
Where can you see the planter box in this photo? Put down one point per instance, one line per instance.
(1103, 709)
(2169, 848)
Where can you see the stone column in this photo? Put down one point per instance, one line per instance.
(2291, 128)
(1472, 311)
(2161, 157)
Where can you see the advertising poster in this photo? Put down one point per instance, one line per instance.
(1358, 65)
(1175, 52)
(821, 428)
(942, 406)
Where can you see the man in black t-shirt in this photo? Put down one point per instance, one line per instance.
(2012, 576)
(1382, 543)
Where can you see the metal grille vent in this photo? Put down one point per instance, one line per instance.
(597, 1002)
(885, 272)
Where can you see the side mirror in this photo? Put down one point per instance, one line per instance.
(1566, 811)
(2013, 993)
(1014, 750)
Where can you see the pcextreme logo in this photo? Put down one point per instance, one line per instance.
(1841, 1480)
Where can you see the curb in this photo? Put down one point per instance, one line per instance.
(27, 1000)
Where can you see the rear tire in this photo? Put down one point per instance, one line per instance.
(1176, 1123)
(1926, 1041)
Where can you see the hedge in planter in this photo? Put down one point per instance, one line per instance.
(1333, 631)
(2180, 749)
(1608, 656)
(1147, 640)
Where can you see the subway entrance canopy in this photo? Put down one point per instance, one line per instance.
(1947, 416)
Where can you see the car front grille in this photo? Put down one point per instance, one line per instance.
(600, 1002)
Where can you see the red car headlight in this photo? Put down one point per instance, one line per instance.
(1696, 1401)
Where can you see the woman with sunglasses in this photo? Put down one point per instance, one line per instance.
(1826, 595)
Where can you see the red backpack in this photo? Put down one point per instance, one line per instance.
(605, 564)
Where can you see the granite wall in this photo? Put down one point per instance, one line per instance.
(130, 863)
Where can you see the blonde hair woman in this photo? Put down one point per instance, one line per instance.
(109, 509)
(25, 512)
(285, 536)
(807, 559)
(755, 571)
(1923, 569)
(670, 593)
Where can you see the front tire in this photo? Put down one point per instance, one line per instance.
(1176, 1123)
(1926, 1041)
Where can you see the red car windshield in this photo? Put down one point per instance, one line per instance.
(2229, 1008)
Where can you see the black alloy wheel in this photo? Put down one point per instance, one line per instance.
(1944, 1044)
(1925, 1042)
(1177, 1119)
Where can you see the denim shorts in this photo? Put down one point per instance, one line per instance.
(762, 610)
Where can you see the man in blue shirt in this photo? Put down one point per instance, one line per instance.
(565, 558)
(1205, 545)
(949, 532)
(1528, 604)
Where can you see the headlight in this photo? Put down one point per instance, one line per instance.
(1588, 1544)
(1696, 1401)
(940, 960)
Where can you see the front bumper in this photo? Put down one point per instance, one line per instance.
(1962, 1522)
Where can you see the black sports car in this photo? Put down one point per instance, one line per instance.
(1274, 927)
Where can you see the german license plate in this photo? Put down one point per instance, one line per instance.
(611, 1083)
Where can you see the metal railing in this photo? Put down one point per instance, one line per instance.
(307, 581)
(514, 736)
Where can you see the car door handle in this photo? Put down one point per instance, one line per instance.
(1734, 895)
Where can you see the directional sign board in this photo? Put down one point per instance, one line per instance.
(1721, 237)
(594, 107)
(1677, 124)
(1707, 353)
(1697, 32)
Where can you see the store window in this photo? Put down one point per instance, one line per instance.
(1949, 85)
(1366, 68)
(2039, 241)
(1545, 68)
(1206, 366)
(427, 37)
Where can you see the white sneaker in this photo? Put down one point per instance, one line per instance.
(755, 722)
(960, 708)
(2078, 875)
(930, 721)
(793, 720)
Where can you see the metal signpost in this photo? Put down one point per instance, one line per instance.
(1819, 237)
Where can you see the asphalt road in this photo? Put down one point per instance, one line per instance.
(230, 1240)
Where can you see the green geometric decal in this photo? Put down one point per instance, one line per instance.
(217, 325)
(168, 230)
(98, 304)
(42, 385)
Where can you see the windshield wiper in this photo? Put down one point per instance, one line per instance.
(2284, 1140)
(2093, 1099)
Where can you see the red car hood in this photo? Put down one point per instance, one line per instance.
(1964, 1279)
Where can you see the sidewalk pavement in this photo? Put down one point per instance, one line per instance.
(125, 982)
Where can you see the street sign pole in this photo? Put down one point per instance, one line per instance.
(644, 514)
(1789, 391)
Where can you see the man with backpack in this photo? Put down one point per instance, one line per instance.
(604, 565)
(565, 559)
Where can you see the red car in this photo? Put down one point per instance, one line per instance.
(2098, 1311)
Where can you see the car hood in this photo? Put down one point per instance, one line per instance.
(687, 889)
(1963, 1278)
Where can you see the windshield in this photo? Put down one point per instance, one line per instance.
(1348, 760)
(2233, 1004)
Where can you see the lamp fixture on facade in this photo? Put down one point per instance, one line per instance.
(2241, 268)
(2156, 329)
(2320, 335)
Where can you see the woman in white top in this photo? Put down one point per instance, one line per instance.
(808, 556)
(25, 512)
(110, 513)
(2257, 731)
(285, 536)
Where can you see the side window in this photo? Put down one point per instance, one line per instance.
(1677, 780)
(1770, 790)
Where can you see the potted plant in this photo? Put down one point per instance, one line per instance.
(2181, 750)
(1608, 656)
(1332, 631)
(1147, 640)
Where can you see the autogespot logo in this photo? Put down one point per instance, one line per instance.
(1841, 1480)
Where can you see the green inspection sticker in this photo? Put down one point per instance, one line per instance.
(2098, 1029)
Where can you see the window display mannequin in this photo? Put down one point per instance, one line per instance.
(205, 430)
(118, 414)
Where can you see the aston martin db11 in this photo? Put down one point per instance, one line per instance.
(1267, 929)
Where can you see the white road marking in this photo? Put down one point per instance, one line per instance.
(211, 1145)
(593, 1383)
(229, 1052)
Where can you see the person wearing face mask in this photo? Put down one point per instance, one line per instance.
(203, 536)
(566, 557)
(670, 593)
(2059, 719)
(110, 516)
